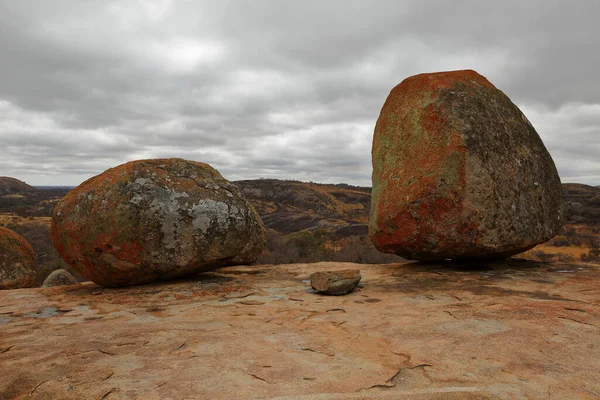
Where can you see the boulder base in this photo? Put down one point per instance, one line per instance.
(155, 219)
(17, 261)
(459, 172)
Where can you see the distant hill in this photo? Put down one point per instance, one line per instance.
(25, 200)
(291, 206)
(12, 186)
(582, 203)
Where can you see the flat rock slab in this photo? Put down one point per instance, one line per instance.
(413, 331)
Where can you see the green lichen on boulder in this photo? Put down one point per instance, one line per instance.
(459, 172)
(17, 261)
(155, 219)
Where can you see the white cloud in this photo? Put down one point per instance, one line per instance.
(572, 135)
(184, 55)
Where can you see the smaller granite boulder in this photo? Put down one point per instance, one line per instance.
(60, 277)
(17, 261)
(152, 220)
(335, 282)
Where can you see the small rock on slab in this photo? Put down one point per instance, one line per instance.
(60, 277)
(335, 282)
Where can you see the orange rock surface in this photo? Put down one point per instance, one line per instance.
(516, 330)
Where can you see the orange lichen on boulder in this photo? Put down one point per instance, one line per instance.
(17, 261)
(459, 172)
(155, 219)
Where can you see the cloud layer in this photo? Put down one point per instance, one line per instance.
(273, 88)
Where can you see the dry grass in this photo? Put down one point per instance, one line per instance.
(13, 219)
(573, 251)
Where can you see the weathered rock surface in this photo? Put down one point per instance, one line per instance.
(513, 330)
(155, 219)
(60, 277)
(335, 282)
(17, 261)
(459, 172)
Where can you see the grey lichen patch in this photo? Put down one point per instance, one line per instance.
(207, 212)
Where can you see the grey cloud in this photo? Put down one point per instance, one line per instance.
(274, 89)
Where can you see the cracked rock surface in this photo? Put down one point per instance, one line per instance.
(157, 219)
(511, 330)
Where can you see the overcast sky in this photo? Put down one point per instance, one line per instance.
(282, 89)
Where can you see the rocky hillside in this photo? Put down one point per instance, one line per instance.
(27, 201)
(292, 206)
(582, 203)
(310, 222)
(12, 186)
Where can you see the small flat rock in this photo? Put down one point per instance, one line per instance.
(335, 282)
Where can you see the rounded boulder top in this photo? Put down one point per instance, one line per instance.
(60, 277)
(155, 219)
(459, 172)
(17, 261)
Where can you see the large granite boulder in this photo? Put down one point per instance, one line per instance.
(459, 172)
(155, 219)
(17, 261)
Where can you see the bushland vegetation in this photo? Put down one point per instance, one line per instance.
(307, 247)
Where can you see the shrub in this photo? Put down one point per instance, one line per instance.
(592, 256)
(565, 258)
(543, 256)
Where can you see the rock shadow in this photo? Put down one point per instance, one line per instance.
(477, 277)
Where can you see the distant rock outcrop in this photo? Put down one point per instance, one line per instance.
(155, 219)
(60, 277)
(459, 172)
(10, 185)
(17, 261)
(288, 206)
